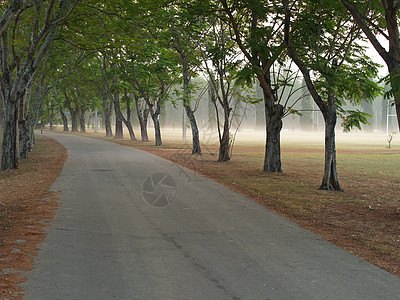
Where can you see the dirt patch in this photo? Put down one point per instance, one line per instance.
(26, 208)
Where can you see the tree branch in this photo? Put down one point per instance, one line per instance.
(358, 18)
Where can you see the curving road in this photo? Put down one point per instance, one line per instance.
(134, 226)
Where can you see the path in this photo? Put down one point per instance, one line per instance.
(106, 242)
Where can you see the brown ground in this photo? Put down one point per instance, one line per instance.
(26, 208)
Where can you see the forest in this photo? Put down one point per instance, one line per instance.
(202, 63)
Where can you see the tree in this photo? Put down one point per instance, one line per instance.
(27, 32)
(14, 8)
(182, 33)
(172, 24)
(222, 64)
(380, 18)
(143, 115)
(256, 27)
(322, 41)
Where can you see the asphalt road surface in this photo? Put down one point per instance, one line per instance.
(131, 225)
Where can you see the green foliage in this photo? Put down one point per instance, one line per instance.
(330, 44)
(354, 118)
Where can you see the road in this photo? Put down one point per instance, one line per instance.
(119, 234)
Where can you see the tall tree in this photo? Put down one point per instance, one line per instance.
(257, 29)
(183, 33)
(320, 39)
(221, 63)
(26, 36)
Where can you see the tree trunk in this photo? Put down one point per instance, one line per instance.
(130, 129)
(119, 119)
(157, 129)
(107, 109)
(212, 118)
(142, 116)
(23, 129)
(195, 131)
(119, 133)
(9, 145)
(64, 118)
(189, 112)
(74, 120)
(127, 121)
(50, 112)
(224, 141)
(272, 159)
(143, 127)
(107, 120)
(330, 180)
(23, 139)
(82, 122)
(394, 72)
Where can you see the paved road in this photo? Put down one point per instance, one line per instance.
(106, 242)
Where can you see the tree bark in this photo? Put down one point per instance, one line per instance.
(23, 129)
(196, 149)
(107, 109)
(64, 118)
(74, 120)
(9, 12)
(127, 120)
(330, 180)
(119, 119)
(155, 116)
(195, 131)
(24, 143)
(142, 116)
(157, 130)
(107, 121)
(119, 132)
(224, 142)
(9, 145)
(394, 71)
(272, 159)
(73, 112)
(82, 122)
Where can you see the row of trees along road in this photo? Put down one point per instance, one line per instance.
(130, 56)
